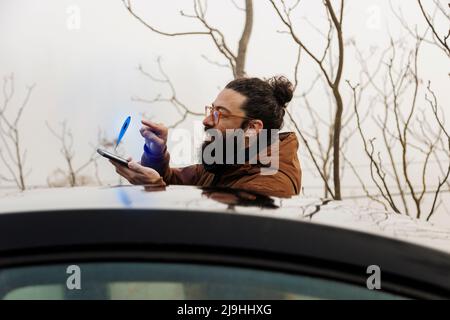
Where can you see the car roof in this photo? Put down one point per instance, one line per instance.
(340, 214)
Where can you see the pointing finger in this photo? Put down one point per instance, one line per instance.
(152, 125)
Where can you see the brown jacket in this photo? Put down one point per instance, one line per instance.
(284, 183)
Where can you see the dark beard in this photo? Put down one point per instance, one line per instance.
(219, 168)
(216, 168)
(238, 148)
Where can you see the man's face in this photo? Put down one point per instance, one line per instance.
(228, 102)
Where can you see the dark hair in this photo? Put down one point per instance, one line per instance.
(266, 99)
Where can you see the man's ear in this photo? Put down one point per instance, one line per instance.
(256, 125)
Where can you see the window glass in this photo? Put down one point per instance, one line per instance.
(150, 280)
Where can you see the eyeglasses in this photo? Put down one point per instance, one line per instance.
(215, 114)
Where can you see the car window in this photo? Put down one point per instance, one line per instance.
(151, 280)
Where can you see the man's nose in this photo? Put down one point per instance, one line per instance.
(208, 122)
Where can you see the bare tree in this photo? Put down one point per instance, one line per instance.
(331, 75)
(172, 99)
(235, 60)
(440, 39)
(318, 136)
(11, 152)
(406, 133)
(72, 176)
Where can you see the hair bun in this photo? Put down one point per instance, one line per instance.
(283, 90)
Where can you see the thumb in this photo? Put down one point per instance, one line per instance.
(133, 165)
(137, 167)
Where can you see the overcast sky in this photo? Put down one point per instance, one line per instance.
(85, 70)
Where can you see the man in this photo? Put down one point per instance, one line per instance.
(247, 104)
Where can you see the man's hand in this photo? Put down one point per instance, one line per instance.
(155, 135)
(135, 173)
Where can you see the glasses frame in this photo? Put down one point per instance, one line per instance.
(211, 111)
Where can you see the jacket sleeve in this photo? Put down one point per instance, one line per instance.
(274, 186)
(189, 175)
(279, 185)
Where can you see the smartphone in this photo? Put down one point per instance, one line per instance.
(113, 157)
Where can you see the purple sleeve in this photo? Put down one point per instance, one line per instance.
(158, 162)
(189, 175)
